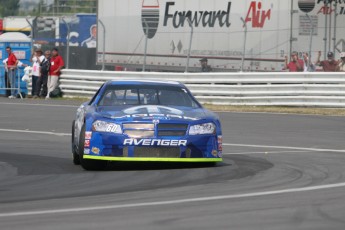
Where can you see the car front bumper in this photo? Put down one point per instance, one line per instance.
(115, 147)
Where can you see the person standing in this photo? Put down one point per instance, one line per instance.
(329, 65)
(12, 62)
(36, 60)
(204, 65)
(341, 66)
(41, 87)
(308, 65)
(7, 83)
(56, 64)
(295, 65)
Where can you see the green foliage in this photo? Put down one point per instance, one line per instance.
(9, 8)
(77, 6)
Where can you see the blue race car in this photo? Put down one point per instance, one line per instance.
(142, 120)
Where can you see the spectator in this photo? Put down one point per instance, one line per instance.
(56, 64)
(295, 65)
(308, 65)
(7, 83)
(341, 66)
(329, 65)
(11, 70)
(204, 66)
(36, 60)
(41, 87)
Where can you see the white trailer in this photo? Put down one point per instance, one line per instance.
(274, 29)
(17, 24)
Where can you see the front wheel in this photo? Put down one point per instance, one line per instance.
(76, 159)
(86, 163)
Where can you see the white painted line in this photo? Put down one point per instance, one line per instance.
(267, 152)
(301, 149)
(35, 132)
(47, 105)
(171, 202)
(277, 113)
(287, 147)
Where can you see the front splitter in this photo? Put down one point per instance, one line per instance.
(152, 159)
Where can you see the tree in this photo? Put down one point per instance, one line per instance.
(9, 8)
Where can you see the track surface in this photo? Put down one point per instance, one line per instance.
(297, 183)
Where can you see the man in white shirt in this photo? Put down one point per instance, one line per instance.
(308, 65)
(341, 66)
(36, 60)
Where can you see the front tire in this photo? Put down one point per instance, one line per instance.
(87, 164)
(76, 159)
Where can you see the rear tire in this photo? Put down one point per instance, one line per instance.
(87, 164)
(76, 159)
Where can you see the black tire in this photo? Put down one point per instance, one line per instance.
(76, 159)
(93, 165)
(211, 164)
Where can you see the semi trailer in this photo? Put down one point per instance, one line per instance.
(248, 35)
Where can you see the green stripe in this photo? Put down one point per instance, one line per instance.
(152, 159)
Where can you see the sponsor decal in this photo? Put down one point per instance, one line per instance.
(256, 15)
(326, 10)
(157, 117)
(198, 18)
(327, 6)
(86, 151)
(87, 143)
(214, 153)
(20, 54)
(154, 142)
(150, 17)
(154, 112)
(306, 6)
(220, 143)
(95, 150)
(88, 135)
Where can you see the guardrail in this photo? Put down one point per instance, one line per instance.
(269, 89)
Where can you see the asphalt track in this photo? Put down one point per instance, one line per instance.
(279, 172)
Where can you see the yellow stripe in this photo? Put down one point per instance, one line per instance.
(17, 29)
(152, 159)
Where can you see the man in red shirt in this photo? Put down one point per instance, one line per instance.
(296, 64)
(56, 64)
(329, 65)
(11, 66)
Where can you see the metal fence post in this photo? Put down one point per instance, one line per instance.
(32, 30)
(19, 90)
(335, 26)
(311, 37)
(104, 33)
(190, 42)
(68, 39)
(244, 43)
(325, 38)
(146, 38)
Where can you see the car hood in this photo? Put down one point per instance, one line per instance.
(152, 112)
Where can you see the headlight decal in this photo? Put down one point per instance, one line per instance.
(103, 126)
(205, 128)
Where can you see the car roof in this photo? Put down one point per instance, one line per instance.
(144, 82)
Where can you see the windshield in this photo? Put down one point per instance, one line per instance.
(147, 95)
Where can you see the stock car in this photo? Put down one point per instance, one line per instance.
(146, 121)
